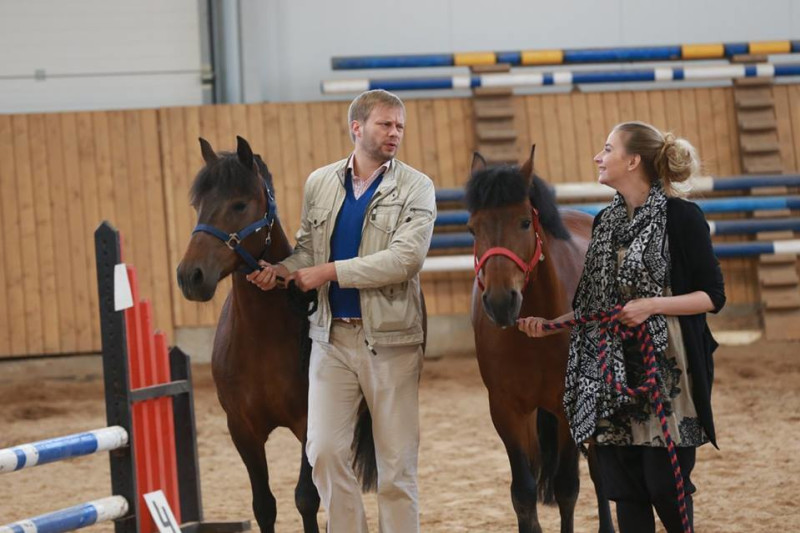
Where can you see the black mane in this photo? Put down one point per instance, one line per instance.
(229, 177)
(504, 185)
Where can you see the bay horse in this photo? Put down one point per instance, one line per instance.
(528, 260)
(260, 355)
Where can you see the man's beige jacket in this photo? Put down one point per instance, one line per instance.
(394, 242)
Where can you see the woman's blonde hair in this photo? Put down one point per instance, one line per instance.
(666, 158)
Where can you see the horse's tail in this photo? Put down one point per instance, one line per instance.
(364, 464)
(546, 467)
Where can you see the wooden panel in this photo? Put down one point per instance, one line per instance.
(538, 136)
(304, 163)
(707, 145)
(446, 178)
(137, 254)
(159, 290)
(598, 129)
(519, 106)
(627, 111)
(411, 148)
(658, 111)
(64, 296)
(48, 274)
(672, 106)
(91, 214)
(690, 129)
(26, 238)
(339, 142)
(566, 122)
(553, 134)
(460, 114)
(80, 243)
(585, 145)
(320, 153)
(17, 341)
(611, 109)
(437, 296)
(724, 162)
(641, 106)
(170, 122)
(461, 148)
(794, 110)
(784, 122)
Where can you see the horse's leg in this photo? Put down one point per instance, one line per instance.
(567, 481)
(513, 430)
(251, 450)
(306, 497)
(603, 506)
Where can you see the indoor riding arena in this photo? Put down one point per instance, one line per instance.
(101, 108)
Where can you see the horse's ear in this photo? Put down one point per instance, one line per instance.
(527, 169)
(261, 163)
(244, 152)
(209, 156)
(478, 162)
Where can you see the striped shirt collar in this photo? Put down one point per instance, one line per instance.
(360, 184)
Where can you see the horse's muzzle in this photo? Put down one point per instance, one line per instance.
(502, 306)
(196, 283)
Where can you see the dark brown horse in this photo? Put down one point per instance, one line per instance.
(259, 360)
(529, 258)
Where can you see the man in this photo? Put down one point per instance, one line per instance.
(366, 227)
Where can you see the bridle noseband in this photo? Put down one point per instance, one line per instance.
(527, 268)
(234, 240)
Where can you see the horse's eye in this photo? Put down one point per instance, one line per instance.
(471, 231)
(239, 207)
(526, 224)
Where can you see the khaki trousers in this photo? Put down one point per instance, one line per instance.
(341, 372)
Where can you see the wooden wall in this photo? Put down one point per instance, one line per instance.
(62, 174)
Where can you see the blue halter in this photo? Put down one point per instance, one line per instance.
(234, 240)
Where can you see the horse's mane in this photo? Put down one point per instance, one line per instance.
(504, 185)
(229, 177)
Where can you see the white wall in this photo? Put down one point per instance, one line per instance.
(101, 54)
(288, 44)
(98, 54)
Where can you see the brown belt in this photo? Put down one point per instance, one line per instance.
(349, 320)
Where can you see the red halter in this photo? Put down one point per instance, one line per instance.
(527, 268)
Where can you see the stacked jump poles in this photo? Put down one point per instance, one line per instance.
(562, 57)
(151, 437)
(568, 56)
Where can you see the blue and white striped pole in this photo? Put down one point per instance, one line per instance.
(48, 451)
(465, 263)
(720, 227)
(564, 77)
(76, 517)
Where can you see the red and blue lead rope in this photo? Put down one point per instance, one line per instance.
(610, 325)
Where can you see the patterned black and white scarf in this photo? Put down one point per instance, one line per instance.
(643, 273)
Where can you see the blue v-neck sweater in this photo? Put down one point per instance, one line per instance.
(345, 242)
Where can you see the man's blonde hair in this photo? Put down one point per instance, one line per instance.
(364, 103)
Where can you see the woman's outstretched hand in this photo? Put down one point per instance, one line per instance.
(533, 326)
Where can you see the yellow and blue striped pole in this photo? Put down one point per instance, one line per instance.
(568, 56)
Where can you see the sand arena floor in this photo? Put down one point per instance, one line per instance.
(751, 484)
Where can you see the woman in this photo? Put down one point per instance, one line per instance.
(650, 252)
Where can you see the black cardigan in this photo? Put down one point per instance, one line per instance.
(695, 268)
